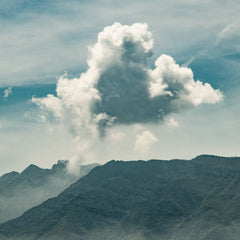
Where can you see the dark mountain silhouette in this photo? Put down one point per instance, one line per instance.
(21, 191)
(141, 200)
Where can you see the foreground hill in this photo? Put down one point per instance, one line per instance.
(21, 191)
(177, 200)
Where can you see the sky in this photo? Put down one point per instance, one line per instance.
(92, 81)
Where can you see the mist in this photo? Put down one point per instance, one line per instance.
(22, 191)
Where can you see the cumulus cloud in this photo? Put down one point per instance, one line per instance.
(7, 92)
(120, 88)
(178, 85)
(144, 141)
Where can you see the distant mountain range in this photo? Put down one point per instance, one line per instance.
(21, 191)
(141, 200)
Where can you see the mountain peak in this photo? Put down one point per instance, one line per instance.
(31, 168)
(9, 177)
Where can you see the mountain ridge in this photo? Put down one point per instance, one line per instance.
(197, 199)
(21, 191)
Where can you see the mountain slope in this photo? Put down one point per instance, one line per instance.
(178, 200)
(21, 191)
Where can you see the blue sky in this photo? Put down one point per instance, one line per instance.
(40, 40)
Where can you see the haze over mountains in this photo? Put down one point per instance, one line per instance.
(21, 191)
(142, 200)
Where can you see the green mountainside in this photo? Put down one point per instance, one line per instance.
(141, 200)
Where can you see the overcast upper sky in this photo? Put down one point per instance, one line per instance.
(41, 40)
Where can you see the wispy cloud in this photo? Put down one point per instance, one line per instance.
(226, 32)
(7, 92)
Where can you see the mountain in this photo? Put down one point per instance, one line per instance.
(195, 199)
(21, 191)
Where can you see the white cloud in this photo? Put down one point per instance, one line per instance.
(202, 93)
(168, 78)
(76, 97)
(7, 92)
(144, 141)
(172, 123)
(120, 88)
